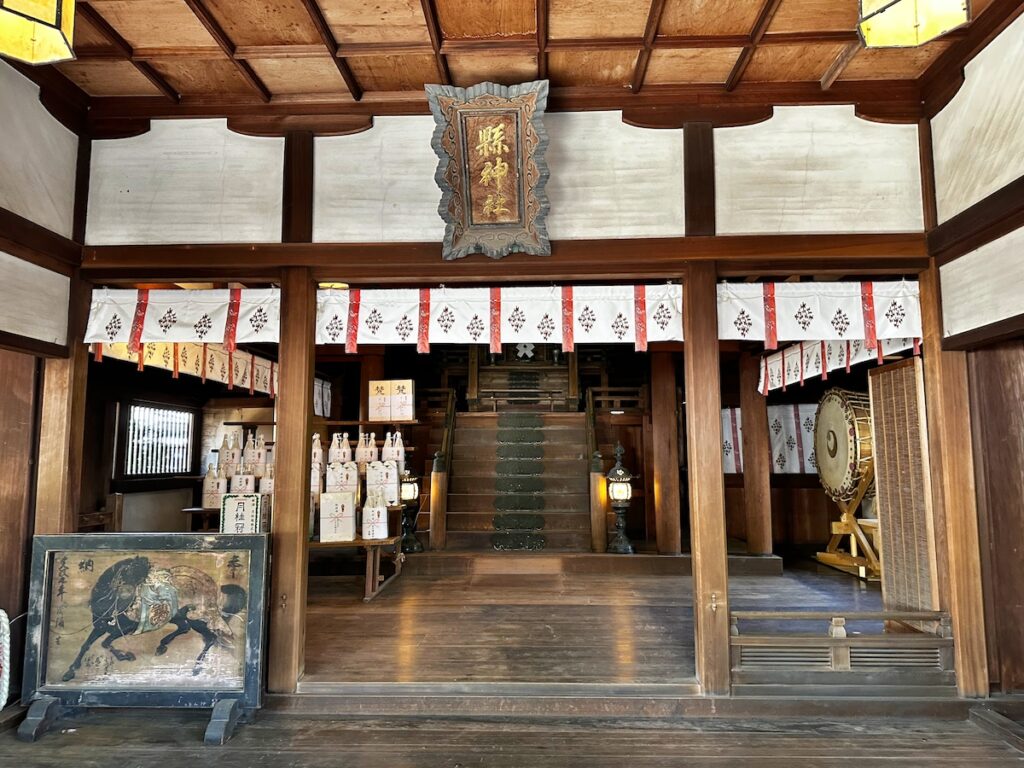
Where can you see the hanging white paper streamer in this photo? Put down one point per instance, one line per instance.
(110, 316)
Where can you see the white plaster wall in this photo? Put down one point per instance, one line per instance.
(377, 185)
(984, 286)
(37, 157)
(186, 181)
(607, 180)
(33, 300)
(978, 139)
(816, 170)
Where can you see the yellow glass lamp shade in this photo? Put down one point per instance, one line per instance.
(37, 31)
(620, 490)
(909, 23)
(410, 488)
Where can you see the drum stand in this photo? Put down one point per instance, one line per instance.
(862, 558)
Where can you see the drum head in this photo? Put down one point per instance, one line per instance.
(835, 449)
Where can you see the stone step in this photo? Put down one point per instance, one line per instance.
(519, 467)
(484, 540)
(492, 451)
(545, 436)
(484, 420)
(562, 521)
(486, 502)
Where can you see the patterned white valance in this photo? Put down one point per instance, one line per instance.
(566, 315)
(212, 362)
(790, 431)
(773, 312)
(134, 317)
(805, 360)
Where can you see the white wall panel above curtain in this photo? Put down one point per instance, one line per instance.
(817, 169)
(186, 181)
(38, 157)
(978, 138)
(984, 286)
(33, 300)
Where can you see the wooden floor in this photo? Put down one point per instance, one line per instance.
(103, 739)
(534, 628)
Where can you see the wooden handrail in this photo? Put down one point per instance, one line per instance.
(439, 479)
(848, 615)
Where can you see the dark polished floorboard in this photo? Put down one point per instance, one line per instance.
(577, 628)
(170, 740)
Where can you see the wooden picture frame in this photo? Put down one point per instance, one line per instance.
(145, 620)
(490, 142)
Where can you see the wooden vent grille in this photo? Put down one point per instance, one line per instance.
(917, 658)
(781, 656)
(904, 509)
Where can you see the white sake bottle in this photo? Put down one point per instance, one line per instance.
(399, 449)
(318, 451)
(224, 454)
(249, 452)
(371, 445)
(211, 495)
(267, 482)
(346, 449)
(259, 464)
(334, 452)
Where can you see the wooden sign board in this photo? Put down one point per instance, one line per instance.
(490, 142)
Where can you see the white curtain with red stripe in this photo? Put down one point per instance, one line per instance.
(790, 432)
(805, 360)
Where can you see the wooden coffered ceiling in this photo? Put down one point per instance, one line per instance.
(281, 58)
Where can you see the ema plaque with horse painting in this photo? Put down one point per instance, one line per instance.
(145, 620)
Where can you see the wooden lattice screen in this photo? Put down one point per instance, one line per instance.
(902, 480)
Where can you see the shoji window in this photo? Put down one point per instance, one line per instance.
(159, 441)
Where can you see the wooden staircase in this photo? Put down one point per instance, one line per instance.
(519, 481)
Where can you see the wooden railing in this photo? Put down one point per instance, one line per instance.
(618, 398)
(552, 397)
(916, 651)
(439, 478)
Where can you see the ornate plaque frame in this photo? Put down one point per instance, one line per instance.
(490, 142)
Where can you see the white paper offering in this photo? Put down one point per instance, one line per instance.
(338, 516)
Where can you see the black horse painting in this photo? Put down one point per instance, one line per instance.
(132, 597)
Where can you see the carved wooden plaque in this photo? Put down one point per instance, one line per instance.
(490, 142)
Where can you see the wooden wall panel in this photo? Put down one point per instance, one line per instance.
(611, 180)
(979, 137)
(37, 157)
(984, 286)
(17, 441)
(997, 390)
(33, 300)
(815, 170)
(186, 181)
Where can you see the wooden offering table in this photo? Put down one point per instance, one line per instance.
(375, 583)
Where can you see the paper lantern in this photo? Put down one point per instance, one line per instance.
(37, 31)
(908, 23)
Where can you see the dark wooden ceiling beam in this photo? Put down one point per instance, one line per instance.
(839, 65)
(125, 52)
(543, 17)
(220, 36)
(764, 20)
(650, 33)
(412, 263)
(436, 40)
(327, 37)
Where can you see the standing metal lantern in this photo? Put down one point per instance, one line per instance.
(410, 496)
(620, 492)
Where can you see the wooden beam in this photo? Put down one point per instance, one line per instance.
(543, 17)
(679, 117)
(990, 333)
(707, 489)
(757, 458)
(997, 215)
(436, 40)
(665, 453)
(925, 148)
(839, 65)
(408, 263)
(32, 242)
(125, 51)
(761, 24)
(83, 164)
(953, 490)
(699, 178)
(220, 36)
(29, 346)
(290, 529)
(62, 424)
(650, 33)
(327, 36)
(297, 196)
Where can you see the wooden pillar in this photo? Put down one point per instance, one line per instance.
(954, 497)
(664, 453)
(62, 424)
(707, 488)
(439, 503)
(757, 458)
(290, 530)
(598, 505)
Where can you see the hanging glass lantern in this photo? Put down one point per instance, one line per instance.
(908, 23)
(37, 31)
